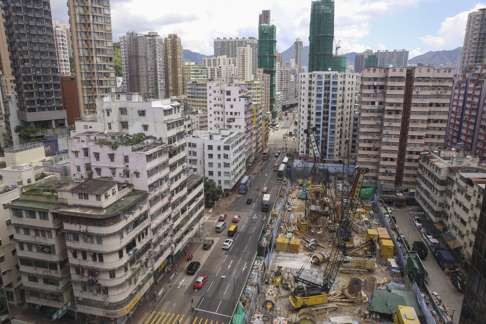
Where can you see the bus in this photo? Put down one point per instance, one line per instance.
(281, 172)
(265, 202)
(244, 185)
(285, 160)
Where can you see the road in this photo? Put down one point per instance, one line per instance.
(439, 281)
(227, 270)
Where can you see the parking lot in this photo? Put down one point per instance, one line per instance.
(438, 279)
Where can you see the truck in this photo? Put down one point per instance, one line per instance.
(405, 315)
(266, 202)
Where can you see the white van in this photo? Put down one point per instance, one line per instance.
(220, 226)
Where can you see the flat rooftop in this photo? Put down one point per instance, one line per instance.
(94, 186)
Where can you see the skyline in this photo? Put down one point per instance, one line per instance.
(360, 24)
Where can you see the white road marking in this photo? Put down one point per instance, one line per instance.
(244, 266)
(172, 276)
(231, 262)
(226, 290)
(211, 284)
(217, 309)
(181, 283)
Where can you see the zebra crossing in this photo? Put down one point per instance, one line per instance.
(174, 318)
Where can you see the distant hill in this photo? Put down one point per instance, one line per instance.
(288, 53)
(191, 56)
(449, 58)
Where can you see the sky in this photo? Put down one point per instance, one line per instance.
(416, 25)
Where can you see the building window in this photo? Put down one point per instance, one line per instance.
(96, 156)
(98, 197)
(109, 126)
(113, 171)
(210, 173)
(74, 254)
(111, 156)
(98, 171)
(76, 154)
(112, 274)
(120, 254)
(126, 159)
(145, 127)
(226, 147)
(84, 255)
(83, 196)
(123, 111)
(26, 231)
(32, 278)
(30, 214)
(85, 152)
(17, 213)
(141, 113)
(124, 125)
(210, 147)
(43, 215)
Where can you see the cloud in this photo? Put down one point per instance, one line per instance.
(451, 31)
(198, 22)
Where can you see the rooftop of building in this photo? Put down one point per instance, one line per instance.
(41, 195)
(220, 134)
(139, 142)
(94, 186)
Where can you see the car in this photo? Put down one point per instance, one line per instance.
(207, 244)
(417, 222)
(249, 201)
(236, 219)
(227, 244)
(265, 190)
(200, 281)
(432, 240)
(222, 218)
(193, 267)
(277, 154)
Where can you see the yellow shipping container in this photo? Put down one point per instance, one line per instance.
(387, 249)
(372, 234)
(294, 246)
(383, 233)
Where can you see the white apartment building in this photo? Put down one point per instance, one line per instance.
(221, 68)
(467, 192)
(327, 103)
(62, 42)
(107, 237)
(10, 275)
(196, 100)
(244, 63)
(144, 143)
(434, 177)
(403, 113)
(230, 107)
(219, 155)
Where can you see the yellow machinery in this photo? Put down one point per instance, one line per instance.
(405, 315)
(304, 296)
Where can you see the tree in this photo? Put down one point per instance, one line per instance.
(212, 192)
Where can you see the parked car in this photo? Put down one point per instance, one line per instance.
(417, 222)
(200, 281)
(236, 219)
(227, 244)
(193, 267)
(264, 190)
(207, 244)
(222, 218)
(421, 249)
(432, 240)
(249, 201)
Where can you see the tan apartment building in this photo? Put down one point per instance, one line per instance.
(90, 23)
(403, 113)
(174, 74)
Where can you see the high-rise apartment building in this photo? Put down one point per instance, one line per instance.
(264, 18)
(194, 72)
(466, 129)
(474, 49)
(244, 63)
(267, 53)
(197, 102)
(143, 64)
(63, 47)
(221, 68)
(90, 24)
(321, 38)
(473, 306)
(327, 103)
(174, 74)
(395, 58)
(5, 64)
(403, 113)
(28, 26)
(229, 47)
(298, 51)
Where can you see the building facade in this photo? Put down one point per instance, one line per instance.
(197, 100)
(473, 307)
(298, 52)
(221, 68)
(92, 51)
(229, 47)
(466, 125)
(63, 45)
(32, 50)
(218, 155)
(174, 74)
(403, 113)
(8, 87)
(244, 63)
(267, 55)
(230, 107)
(327, 103)
(474, 48)
(143, 64)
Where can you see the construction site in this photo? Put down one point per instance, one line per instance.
(330, 255)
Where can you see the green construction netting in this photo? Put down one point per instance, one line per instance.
(239, 316)
(367, 193)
